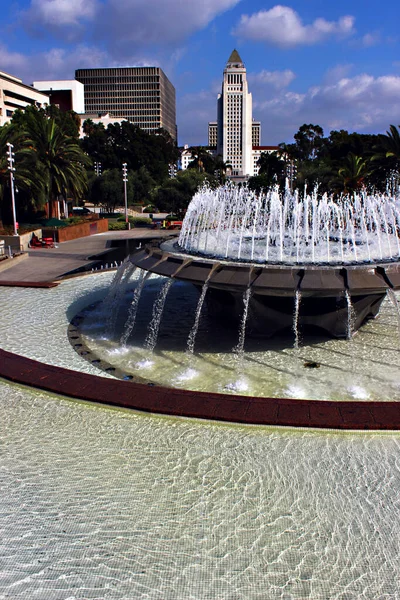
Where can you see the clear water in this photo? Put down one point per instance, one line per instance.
(365, 367)
(100, 503)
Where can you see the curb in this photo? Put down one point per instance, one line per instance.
(352, 415)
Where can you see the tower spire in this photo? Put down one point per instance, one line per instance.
(234, 59)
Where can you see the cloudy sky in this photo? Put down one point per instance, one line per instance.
(336, 64)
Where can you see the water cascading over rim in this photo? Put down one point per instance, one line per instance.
(330, 256)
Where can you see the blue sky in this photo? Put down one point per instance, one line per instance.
(336, 64)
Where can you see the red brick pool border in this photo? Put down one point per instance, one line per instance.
(201, 405)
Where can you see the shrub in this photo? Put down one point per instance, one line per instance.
(137, 221)
(116, 226)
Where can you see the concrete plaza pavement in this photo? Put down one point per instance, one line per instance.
(49, 264)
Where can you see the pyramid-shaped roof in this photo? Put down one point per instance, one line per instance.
(235, 57)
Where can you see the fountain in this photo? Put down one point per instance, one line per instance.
(340, 257)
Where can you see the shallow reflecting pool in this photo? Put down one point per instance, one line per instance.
(101, 503)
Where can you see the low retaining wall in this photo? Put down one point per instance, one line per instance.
(221, 407)
(65, 234)
(20, 243)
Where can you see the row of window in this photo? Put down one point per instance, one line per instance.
(235, 78)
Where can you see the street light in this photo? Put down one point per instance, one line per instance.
(11, 168)
(172, 170)
(97, 168)
(125, 179)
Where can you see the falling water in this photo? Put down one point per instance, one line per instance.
(158, 308)
(111, 303)
(193, 331)
(350, 315)
(393, 300)
(297, 301)
(130, 323)
(239, 348)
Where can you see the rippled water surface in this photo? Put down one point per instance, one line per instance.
(363, 368)
(98, 503)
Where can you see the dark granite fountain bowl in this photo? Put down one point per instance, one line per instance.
(324, 302)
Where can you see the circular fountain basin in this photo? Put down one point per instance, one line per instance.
(327, 292)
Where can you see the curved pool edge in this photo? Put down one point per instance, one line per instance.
(351, 415)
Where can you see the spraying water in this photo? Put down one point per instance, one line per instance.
(297, 301)
(193, 331)
(117, 290)
(350, 317)
(158, 308)
(239, 348)
(238, 224)
(129, 325)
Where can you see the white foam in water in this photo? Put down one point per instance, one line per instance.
(187, 375)
(120, 351)
(358, 392)
(240, 385)
(144, 364)
(295, 391)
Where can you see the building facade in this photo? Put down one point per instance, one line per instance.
(236, 135)
(14, 94)
(142, 95)
(66, 94)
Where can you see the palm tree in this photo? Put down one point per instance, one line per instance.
(391, 143)
(59, 159)
(27, 178)
(353, 172)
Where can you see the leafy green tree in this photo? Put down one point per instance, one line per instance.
(175, 194)
(143, 186)
(108, 190)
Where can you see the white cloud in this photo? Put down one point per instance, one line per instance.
(123, 26)
(56, 63)
(12, 62)
(60, 13)
(282, 26)
(139, 23)
(362, 103)
(275, 79)
(370, 39)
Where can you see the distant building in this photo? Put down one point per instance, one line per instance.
(14, 94)
(106, 120)
(186, 158)
(257, 151)
(66, 94)
(255, 133)
(213, 134)
(235, 134)
(142, 95)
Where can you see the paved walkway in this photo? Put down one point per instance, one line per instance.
(49, 264)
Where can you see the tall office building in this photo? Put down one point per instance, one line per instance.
(142, 95)
(235, 133)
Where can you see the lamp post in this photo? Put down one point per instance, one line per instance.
(11, 168)
(97, 168)
(125, 179)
